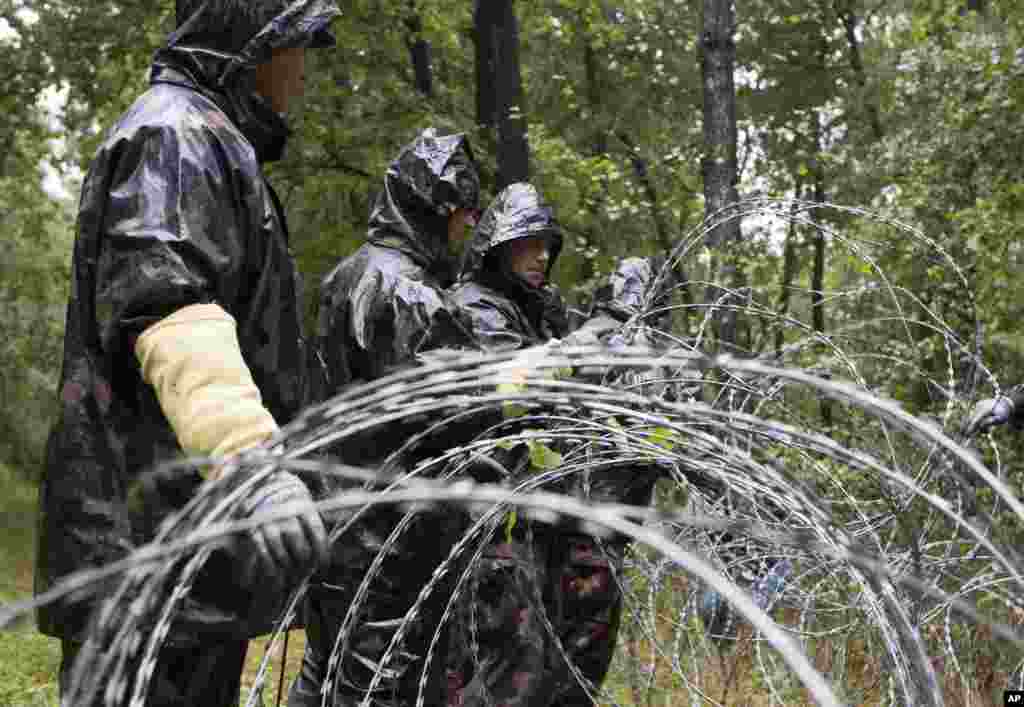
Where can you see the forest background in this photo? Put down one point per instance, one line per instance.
(912, 108)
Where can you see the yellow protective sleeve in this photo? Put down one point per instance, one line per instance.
(193, 361)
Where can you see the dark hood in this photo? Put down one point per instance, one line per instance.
(432, 176)
(218, 45)
(517, 212)
(633, 288)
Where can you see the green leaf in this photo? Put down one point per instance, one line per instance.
(558, 373)
(612, 422)
(512, 409)
(664, 437)
(510, 523)
(543, 456)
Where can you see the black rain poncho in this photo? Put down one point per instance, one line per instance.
(629, 309)
(378, 304)
(377, 307)
(500, 650)
(637, 294)
(175, 211)
(502, 310)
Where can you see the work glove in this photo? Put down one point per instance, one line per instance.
(278, 554)
(157, 494)
(989, 413)
(555, 312)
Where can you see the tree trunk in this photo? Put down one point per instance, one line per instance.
(485, 26)
(499, 87)
(818, 273)
(850, 21)
(419, 53)
(718, 58)
(513, 151)
(790, 267)
(643, 178)
(8, 149)
(661, 229)
(599, 147)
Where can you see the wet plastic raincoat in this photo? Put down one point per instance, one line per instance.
(637, 293)
(500, 650)
(633, 288)
(502, 310)
(377, 307)
(175, 211)
(379, 303)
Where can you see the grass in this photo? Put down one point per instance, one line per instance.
(293, 663)
(29, 661)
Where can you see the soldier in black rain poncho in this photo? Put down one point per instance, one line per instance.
(506, 308)
(377, 307)
(633, 308)
(378, 304)
(183, 328)
(501, 651)
(630, 309)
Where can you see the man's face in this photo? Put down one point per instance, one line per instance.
(528, 258)
(283, 78)
(459, 224)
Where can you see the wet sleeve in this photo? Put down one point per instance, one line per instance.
(335, 369)
(194, 362)
(593, 331)
(403, 318)
(493, 328)
(364, 320)
(172, 233)
(1016, 395)
(413, 307)
(556, 313)
(441, 327)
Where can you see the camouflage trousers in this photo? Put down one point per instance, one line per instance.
(538, 624)
(535, 624)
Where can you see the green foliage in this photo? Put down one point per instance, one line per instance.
(28, 660)
(34, 275)
(28, 666)
(542, 457)
(613, 102)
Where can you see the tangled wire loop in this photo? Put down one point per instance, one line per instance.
(801, 503)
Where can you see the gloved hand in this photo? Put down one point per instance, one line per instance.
(158, 493)
(556, 312)
(988, 413)
(279, 553)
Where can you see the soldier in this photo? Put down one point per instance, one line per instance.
(500, 652)
(183, 328)
(377, 307)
